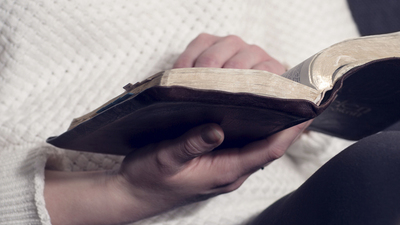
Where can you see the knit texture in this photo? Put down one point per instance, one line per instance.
(62, 59)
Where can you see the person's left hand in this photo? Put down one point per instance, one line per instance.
(226, 52)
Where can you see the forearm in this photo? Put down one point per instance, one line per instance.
(89, 198)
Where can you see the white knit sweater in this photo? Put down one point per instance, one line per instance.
(61, 59)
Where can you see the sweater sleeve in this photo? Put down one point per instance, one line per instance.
(22, 182)
(61, 59)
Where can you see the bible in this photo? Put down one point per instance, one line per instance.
(352, 89)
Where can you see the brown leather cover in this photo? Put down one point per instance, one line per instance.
(161, 113)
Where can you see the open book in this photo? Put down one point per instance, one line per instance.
(351, 88)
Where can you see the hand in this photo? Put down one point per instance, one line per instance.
(160, 177)
(185, 170)
(172, 173)
(177, 172)
(226, 52)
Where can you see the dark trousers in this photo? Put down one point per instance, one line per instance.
(361, 185)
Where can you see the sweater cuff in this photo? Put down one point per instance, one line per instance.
(22, 184)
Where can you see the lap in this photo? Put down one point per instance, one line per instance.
(358, 186)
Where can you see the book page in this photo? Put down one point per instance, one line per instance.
(301, 72)
(256, 82)
(333, 62)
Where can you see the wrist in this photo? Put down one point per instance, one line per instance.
(89, 198)
(147, 200)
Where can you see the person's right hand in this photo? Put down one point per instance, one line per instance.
(160, 177)
(177, 172)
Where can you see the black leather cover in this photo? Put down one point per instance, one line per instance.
(367, 102)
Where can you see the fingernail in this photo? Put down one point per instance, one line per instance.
(210, 135)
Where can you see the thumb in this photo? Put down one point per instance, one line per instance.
(195, 142)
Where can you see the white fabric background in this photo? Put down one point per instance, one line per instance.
(61, 59)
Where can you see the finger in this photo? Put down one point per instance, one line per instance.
(220, 52)
(247, 57)
(192, 144)
(230, 167)
(257, 154)
(271, 65)
(194, 49)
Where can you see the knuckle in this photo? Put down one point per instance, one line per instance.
(265, 66)
(202, 39)
(277, 67)
(207, 61)
(182, 63)
(235, 65)
(191, 148)
(263, 55)
(203, 36)
(271, 66)
(256, 48)
(234, 39)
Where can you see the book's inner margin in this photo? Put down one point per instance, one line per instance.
(301, 72)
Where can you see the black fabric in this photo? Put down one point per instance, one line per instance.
(395, 126)
(376, 16)
(361, 185)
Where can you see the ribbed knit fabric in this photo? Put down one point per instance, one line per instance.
(61, 59)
